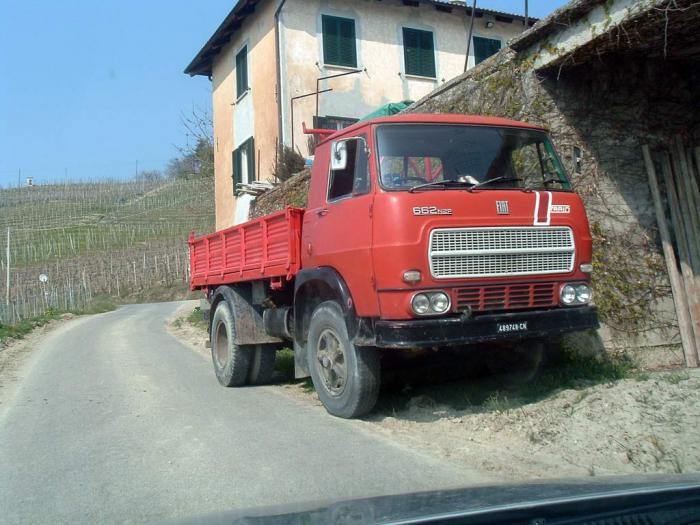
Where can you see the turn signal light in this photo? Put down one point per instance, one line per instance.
(412, 276)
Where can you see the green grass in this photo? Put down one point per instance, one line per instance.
(284, 362)
(99, 305)
(23, 328)
(196, 319)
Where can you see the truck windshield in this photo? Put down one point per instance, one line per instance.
(437, 156)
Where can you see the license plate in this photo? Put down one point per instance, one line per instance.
(509, 328)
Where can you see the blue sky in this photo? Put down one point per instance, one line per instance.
(90, 87)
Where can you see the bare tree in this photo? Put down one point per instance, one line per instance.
(197, 156)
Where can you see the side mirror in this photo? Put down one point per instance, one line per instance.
(339, 156)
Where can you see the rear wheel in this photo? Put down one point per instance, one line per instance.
(346, 377)
(231, 361)
(262, 364)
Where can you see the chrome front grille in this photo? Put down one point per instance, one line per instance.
(492, 252)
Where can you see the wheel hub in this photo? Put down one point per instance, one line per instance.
(331, 362)
(221, 345)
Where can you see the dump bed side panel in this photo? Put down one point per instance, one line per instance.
(262, 248)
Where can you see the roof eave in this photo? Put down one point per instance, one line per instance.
(201, 64)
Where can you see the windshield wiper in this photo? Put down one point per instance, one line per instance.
(438, 183)
(489, 181)
(552, 180)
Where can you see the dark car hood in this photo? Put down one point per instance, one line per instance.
(472, 501)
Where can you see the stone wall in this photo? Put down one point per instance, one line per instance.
(608, 107)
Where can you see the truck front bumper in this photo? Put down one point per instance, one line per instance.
(462, 330)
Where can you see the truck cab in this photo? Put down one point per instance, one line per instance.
(435, 222)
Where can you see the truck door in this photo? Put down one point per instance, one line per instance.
(341, 234)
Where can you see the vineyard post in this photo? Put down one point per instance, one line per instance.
(7, 266)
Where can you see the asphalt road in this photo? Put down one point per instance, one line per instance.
(116, 421)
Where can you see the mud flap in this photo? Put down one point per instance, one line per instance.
(247, 318)
(301, 365)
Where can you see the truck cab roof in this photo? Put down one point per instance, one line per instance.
(433, 118)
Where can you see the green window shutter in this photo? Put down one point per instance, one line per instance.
(242, 72)
(419, 52)
(236, 164)
(484, 48)
(250, 154)
(339, 44)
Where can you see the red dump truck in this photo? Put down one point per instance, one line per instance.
(421, 231)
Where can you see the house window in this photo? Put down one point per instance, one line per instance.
(419, 52)
(484, 48)
(338, 123)
(242, 72)
(244, 163)
(339, 47)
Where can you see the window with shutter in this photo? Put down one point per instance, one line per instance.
(244, 163)
(419, 52)
(242, 72)
(484, 48)
(339, 46)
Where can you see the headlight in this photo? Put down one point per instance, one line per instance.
(439, 302)
(583, 294)
(431, 303)
(568, 294)
(420, 304)
(575, 293)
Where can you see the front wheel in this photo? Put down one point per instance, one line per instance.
(346, 377)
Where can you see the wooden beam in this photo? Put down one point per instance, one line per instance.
(687, 196)
(688, 339)
(689, 281)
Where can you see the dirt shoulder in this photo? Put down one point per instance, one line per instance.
(646, 422)
(623, 427)
(192, 335)
(15, 355)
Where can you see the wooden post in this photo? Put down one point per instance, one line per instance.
(688, 338)
(687, 191)
(7, 264)
(689, 282)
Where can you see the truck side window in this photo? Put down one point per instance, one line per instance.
(354, 179)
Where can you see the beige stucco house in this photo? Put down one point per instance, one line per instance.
(267, 54)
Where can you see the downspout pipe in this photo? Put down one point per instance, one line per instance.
(278, 59)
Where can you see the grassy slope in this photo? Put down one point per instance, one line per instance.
(57, 221)
(90, 234)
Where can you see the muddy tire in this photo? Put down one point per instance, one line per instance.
(346, 377)
(516, 364)
(231, 361)
(262, 364)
